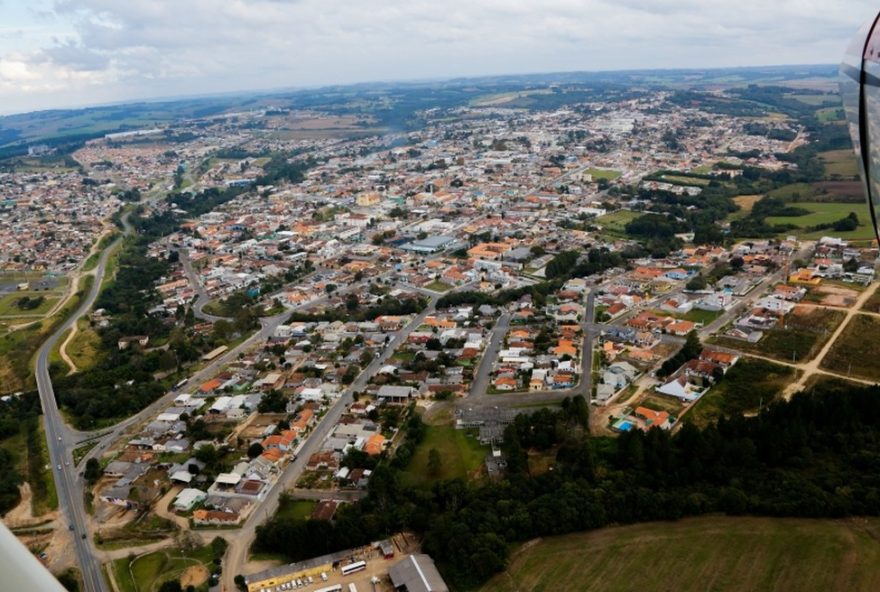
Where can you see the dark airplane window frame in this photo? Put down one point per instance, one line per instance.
(860, 93)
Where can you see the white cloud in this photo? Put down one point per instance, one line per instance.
(135, 48)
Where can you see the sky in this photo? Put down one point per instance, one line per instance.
(68, 53)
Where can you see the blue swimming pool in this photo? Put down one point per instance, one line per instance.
(623, 426)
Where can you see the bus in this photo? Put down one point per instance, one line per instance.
(336, 588)
(180, 384)
(353, 567)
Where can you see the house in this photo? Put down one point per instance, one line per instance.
(125, 342)
(505, 383)
(723, 359)
(653, 419)
(188, 498)
(775, 305)
(565, 347)
(680, 328)
(396, 394)
(680, 388)
(790, 293)
(204, 517)
(374, 445)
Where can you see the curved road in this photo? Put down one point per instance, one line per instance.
(61, 438)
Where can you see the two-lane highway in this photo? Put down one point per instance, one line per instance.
(61, 438)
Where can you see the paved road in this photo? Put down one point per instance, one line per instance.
(61, 438)
(203, 296)
(481, 381)
(236, 555)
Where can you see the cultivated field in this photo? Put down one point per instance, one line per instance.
(840, 163)
(720, 554)
(857, 349)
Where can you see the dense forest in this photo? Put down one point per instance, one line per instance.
(815, 456)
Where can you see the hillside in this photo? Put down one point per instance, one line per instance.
(721, 554)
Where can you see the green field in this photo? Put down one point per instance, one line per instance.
(828, 212)
(85, 347)
(813, 100)
(840, 163)
(829, 114)
(147, 572)
(295, 509)
(855, 351)
(615, 222)
(9, 304)
(607, 174)
(680, 180)
(460, 453)
(438, 286)
(750, 384)
(717, 554)
(794, 191)
(745, 203)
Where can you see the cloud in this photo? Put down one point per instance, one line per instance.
(137, 48)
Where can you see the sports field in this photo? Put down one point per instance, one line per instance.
(720, 554)
(607, 174)
(615, 222)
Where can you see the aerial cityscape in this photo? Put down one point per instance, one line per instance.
(488, 333)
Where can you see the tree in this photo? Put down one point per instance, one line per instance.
(255, 450)
(434, 462)
(240, 581)
(171, 586)
(698, 282)
(736, 263)
(92, 471)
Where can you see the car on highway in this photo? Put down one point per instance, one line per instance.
(59, 467)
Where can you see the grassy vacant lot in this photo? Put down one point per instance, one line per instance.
(793, 191)
(147, 572)
(827, 212)
(873, 303)
(745, 203)
(438, 286)
(746, 386)
(295, 509)
(720, 554)
(85, 347)
(829, 114)
(9, 304)
(841, 163)
(680, 180)
(857, 349)
(461, 456)
(603, 174)
(615, 222)
(803, 337)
